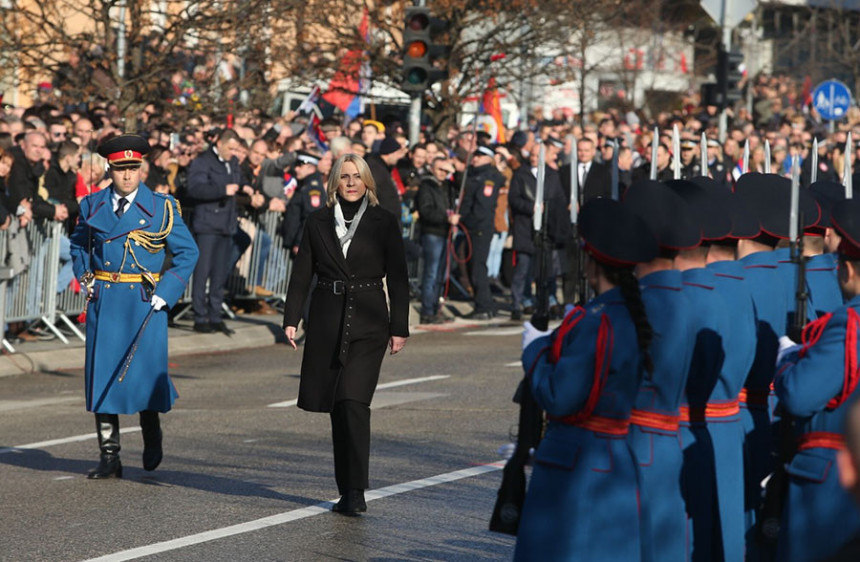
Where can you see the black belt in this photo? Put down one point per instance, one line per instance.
(340, 287)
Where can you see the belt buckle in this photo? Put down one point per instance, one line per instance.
(338, 287)
(115, 276)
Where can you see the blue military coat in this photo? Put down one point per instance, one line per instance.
(657, 448)
(823, 286)
(768, 290)
(582, 500)
(116, 310)
(819, 515)
(715, 528)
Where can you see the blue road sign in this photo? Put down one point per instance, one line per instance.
(831, 99)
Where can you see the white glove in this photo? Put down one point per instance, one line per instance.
(786, 346)
(157, 302)
(530, 334)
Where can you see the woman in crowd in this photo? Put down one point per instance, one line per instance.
(350, 245)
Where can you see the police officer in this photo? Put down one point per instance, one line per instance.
(308, 197)
(478, 211)
(816, 384)
(118, 248)
(690, 163)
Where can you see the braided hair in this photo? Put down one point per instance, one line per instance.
(628, 284)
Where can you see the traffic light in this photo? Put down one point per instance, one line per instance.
(419, 50)
(729, 74)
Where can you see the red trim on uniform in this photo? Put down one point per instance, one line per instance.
(821, 440)
(851, 373)
(754, 397)
(124, 155)
(570, 321)
(711, 410)
(699, 285)
(597, 424)
(605, 259)
(655, 420)
(729, 276)
(812, 332)
(667, 288)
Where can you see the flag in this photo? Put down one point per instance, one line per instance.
(316, 134)
(352, 79)
(307, 106)
(490, 106)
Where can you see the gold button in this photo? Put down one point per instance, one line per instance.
(142, 221)
(131, 286)
(137, 243)
(107, 285)
(107, 241)
(132, 266)
(107, 263)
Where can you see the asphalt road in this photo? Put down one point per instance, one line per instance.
(245, 480)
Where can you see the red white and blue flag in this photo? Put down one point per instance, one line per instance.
(352, 79)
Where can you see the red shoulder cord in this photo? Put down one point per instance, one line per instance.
(812, 333)
(602, 360)
(569, 323)
(852, 375)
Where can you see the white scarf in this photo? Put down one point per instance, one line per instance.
(344, 234)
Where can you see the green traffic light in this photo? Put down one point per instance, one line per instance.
(416, 76)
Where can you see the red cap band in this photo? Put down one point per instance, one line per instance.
(125, 156)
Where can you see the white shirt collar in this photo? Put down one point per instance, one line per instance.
(115, 197)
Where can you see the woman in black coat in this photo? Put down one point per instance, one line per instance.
(350, 245)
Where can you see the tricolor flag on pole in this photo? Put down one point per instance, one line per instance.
(352, 79)
(490, 106)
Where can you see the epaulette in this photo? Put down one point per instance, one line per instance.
(171, 198)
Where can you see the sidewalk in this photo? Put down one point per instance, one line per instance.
(251, 331)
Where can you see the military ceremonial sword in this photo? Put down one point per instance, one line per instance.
(574, 180)
(134, 345)
(745, 165)
(703, 156)
(813, 175)
(654, 140)
(676, 154)
(847, 180)
(766, 156)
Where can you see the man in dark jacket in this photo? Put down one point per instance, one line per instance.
(381, 164)
(435, 217)
(521, 200)
(23, 181)
(213, 181)
(478, 210)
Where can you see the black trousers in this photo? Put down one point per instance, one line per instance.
(480, 276)
(350, 433)
(214, 266)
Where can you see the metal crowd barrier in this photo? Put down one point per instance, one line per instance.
(31, 295)
(274, 272)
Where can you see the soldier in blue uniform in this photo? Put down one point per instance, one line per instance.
(822, 284)
(582, 501)
(656, 414)
(815, 384)
(118, 249)
(714, 434)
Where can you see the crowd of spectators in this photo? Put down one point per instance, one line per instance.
(48, 163)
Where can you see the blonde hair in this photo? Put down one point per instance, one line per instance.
(363, 172)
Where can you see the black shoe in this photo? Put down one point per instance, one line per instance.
(431, 319)
(516, 315)
(478, 315)
(351, 503)
(222, 327)
(109, 467)
(203, 327)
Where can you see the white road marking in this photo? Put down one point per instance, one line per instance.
(288, 516)
(388, 399)
(394, 384)
(64, 478)
(8, 405)
(64, 440)
(514, 364)
(515, 331)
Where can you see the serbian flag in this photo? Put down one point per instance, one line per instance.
(351, 79)
(316, 134)
(490, 106)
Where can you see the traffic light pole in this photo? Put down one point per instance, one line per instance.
(727, 45)
(414, 120)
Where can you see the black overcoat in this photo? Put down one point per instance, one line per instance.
(347, 333)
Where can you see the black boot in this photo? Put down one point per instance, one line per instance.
(151, 427)
(107, 429)
(351, 503)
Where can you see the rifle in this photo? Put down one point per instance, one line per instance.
(512, 492)
(776, 489)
